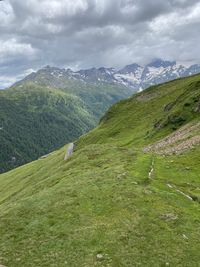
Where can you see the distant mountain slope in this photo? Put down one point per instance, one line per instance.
(157, 72)
(134, 76)
(96, 95)
(112, 203)
(36, 118)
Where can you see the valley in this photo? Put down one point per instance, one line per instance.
(99, 133)
(55, 106)
(35, 118)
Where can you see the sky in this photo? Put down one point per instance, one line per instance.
(94, 33)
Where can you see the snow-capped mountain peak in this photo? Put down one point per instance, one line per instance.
(157, 71)
(133, 76)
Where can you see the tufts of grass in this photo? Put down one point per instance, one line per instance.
(100, 208)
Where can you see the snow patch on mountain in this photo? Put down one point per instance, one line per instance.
(158, 71)
(132, 76)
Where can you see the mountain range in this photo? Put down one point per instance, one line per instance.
(132, 76)
(54, 106)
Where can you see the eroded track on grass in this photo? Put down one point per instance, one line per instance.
(179, 191)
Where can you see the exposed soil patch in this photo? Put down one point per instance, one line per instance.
(146, 97)
(169, 217)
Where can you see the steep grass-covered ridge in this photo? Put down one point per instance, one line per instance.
(120, 199)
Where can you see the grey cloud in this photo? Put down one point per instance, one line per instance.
(87, 33)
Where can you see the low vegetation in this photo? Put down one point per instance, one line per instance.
(101, 207)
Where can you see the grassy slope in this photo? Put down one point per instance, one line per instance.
(101, 201)
(143, 118)
(48, 118)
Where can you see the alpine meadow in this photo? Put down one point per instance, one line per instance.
(120, 198)
(99, 133)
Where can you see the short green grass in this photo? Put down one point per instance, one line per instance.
(132, 122)
(101, 201)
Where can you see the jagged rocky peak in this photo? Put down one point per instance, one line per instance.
(157, 63)
(49, 68)
(194, 68)
(133, 76)
(107, 70)
(97, 74)
(130, 68)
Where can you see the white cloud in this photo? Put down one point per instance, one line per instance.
(88, 33)
(171, 23)
(11, 48)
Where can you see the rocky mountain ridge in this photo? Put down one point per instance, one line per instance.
(133, 76)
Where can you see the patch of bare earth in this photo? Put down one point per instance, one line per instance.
(187, 137)
(144, 97)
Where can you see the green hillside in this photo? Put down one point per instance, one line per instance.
(128, 196)
(36, 119)
(150, 115)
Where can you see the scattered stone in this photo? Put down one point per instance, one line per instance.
(184, 236)
(169, 185)
(122, 175)
(187, 168)
(146, 97)
(100, 256)
(169, 217)
(45, 156)
(169, 106)
(134, 183)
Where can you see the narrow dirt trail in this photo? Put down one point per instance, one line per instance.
(179, 191)
(151, 169)
(150, 176)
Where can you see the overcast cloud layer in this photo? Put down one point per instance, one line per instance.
(89, 33)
